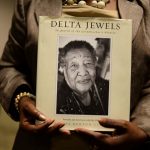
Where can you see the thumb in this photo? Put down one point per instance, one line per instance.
(113, 123)
(27, 106)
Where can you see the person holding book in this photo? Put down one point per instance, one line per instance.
(18, 78)
(84, 92)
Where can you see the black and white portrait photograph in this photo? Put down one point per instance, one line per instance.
(83, 75)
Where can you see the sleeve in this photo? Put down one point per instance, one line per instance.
(13, 68)
(141, 114)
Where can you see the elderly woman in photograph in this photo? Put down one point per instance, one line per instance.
(81, 91)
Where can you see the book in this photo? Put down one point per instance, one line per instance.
(84, 70)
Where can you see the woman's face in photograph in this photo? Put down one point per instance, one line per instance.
(79, 70)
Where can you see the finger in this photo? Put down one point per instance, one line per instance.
(96, 135)
(55, 126)
(35, 127)
(64, 131)
(120, 134)
(33, 111)
(102, 138)
(113, 123)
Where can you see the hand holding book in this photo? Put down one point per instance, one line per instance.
(123, 137)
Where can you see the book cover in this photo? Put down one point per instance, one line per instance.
(84, 70)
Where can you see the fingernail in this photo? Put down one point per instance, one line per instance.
(42, 117)
(40, 122)
(61, 125)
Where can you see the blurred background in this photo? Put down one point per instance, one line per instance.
(8, 127)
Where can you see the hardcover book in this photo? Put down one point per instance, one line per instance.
(84, 70)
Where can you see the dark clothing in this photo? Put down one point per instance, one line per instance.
(69, 103)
